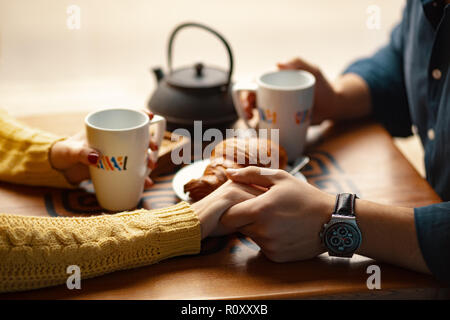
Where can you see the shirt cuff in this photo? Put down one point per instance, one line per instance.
(433, 233)
(388, 98)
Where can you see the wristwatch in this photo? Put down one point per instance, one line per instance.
(341, 235)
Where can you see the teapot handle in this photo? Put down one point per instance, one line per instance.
(201, 26)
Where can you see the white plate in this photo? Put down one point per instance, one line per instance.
(194, 171)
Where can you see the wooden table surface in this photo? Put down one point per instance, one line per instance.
(359, 158)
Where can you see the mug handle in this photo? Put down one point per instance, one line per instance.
(236, 94)
(160, 122)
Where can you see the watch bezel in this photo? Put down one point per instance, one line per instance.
(347, 222)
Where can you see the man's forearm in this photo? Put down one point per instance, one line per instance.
(389, 235)
(352, 98)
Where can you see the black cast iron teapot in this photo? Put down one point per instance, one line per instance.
(194, 93)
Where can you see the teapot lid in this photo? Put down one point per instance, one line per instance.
(198, 77)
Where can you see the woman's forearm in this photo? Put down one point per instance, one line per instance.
(389, 235)
(36, 251)
(24, 155)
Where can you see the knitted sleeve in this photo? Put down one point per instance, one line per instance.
(35, 252)
(24, 155)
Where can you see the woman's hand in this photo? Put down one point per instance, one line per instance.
(211, 208)
(73, 157)
(286, 220)
(325, 96)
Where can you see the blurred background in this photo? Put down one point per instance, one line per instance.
(79, 55)
(47, 64)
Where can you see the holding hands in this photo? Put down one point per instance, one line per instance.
(285, 221)
(282, 214)
(285, 216)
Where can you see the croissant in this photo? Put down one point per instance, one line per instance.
(234, 153)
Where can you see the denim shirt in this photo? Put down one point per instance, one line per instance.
(410, 91)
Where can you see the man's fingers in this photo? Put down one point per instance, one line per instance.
(297, 64)
(251, 98)
(250, 104)
(148, 182)
(248, 100)
(251, 230)
(292, 64)
(253, 190)
(247, 212)
(240, 214)
(248, 108)
(263, 177)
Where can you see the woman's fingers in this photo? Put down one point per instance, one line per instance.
(67, 153)
(151, 163)
(152, 156)
(153, 146)
(86, 155)
(149, 113)
(152, 159)
(148, 182)
(79, 151)
(77, 173)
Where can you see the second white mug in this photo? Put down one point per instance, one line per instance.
(284, 100)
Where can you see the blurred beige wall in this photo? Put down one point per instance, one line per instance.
(45, 66)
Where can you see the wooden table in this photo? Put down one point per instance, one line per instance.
(360, 158)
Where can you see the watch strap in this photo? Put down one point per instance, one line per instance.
(345, 204)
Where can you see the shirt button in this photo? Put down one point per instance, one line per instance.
(430, 134)
(436, 73)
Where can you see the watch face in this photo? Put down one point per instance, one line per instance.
(342, 238)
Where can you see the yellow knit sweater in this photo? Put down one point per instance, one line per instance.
(36, 251)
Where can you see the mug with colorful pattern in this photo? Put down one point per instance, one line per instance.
(122, 137)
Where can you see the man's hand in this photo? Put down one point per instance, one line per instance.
(211, 208)
(286, 220)
(73, 157)
(325, 96)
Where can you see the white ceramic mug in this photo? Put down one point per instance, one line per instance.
(284, 100)
(122, 136)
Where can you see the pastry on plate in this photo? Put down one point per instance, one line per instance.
(234, 153)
